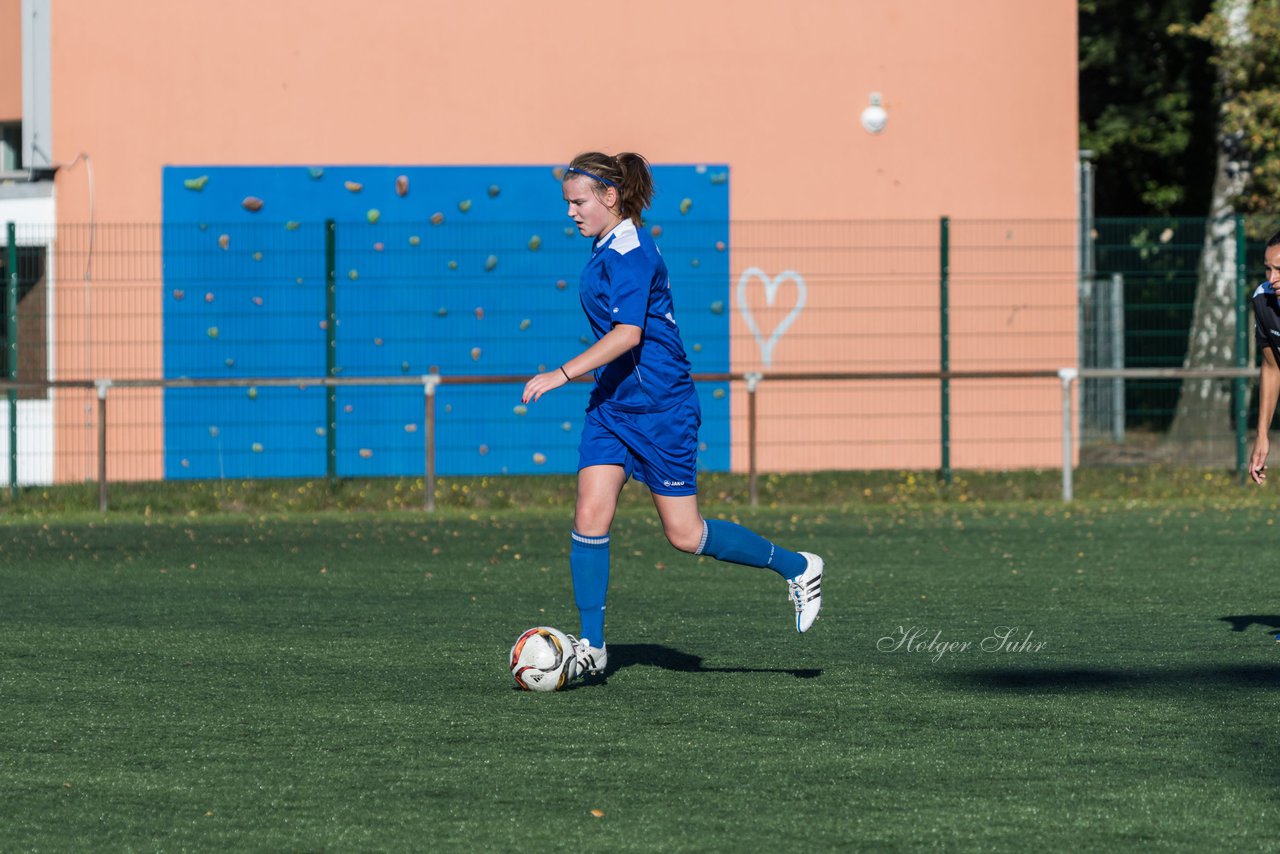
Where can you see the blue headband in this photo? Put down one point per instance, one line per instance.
(592, 175)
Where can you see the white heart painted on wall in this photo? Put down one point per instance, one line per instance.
(771, 286)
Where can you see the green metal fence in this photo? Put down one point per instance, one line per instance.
(920, 318)
(1137, 312)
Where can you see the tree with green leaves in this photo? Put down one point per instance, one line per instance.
(1181, 102)
(1244, 38)
(1147, 106)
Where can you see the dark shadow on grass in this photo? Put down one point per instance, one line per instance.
(657, 655)
(1241, 622)
(1089, 680)
(1085, 679)
(1037, 679)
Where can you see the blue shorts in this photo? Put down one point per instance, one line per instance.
(659, 449)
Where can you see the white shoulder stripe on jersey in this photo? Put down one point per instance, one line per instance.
(625, 238)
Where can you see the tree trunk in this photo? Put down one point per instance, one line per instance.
(1204, 406)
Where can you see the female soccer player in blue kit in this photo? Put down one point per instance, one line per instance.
(643, 416)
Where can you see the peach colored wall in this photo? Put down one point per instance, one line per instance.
(872, 304)
(10, 60)
(981, 101)
(981, 96)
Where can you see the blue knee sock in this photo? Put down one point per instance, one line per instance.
(589, 566)
(732, 542)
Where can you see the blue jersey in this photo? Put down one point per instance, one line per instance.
(626, 282)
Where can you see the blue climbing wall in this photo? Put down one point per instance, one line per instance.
(465, 270)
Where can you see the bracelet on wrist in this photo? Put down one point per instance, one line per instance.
(567, 378)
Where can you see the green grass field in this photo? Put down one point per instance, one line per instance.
(337, 681)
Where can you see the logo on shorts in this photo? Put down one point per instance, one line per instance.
(673, 483)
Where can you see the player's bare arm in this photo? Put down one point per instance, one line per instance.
(1268, 392)
(618, 340)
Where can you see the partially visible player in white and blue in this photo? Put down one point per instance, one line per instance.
(643, 416)
(1266, 327)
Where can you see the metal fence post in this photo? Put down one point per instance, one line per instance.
(944, 344)
(429, 383)
(1117, 357)
(330, 347)
(1068, 376)
(102, 386)
(753, 380)
(11, 350)
(1242, 352)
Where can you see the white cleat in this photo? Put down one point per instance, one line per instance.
(588, 660)
(806, 592)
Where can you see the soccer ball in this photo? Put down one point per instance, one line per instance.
(542, 659)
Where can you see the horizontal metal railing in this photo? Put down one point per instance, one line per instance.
(1067, 377)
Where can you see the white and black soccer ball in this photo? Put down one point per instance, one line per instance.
(542, 659)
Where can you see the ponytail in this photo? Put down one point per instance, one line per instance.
(628, 173)
(636, 186)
